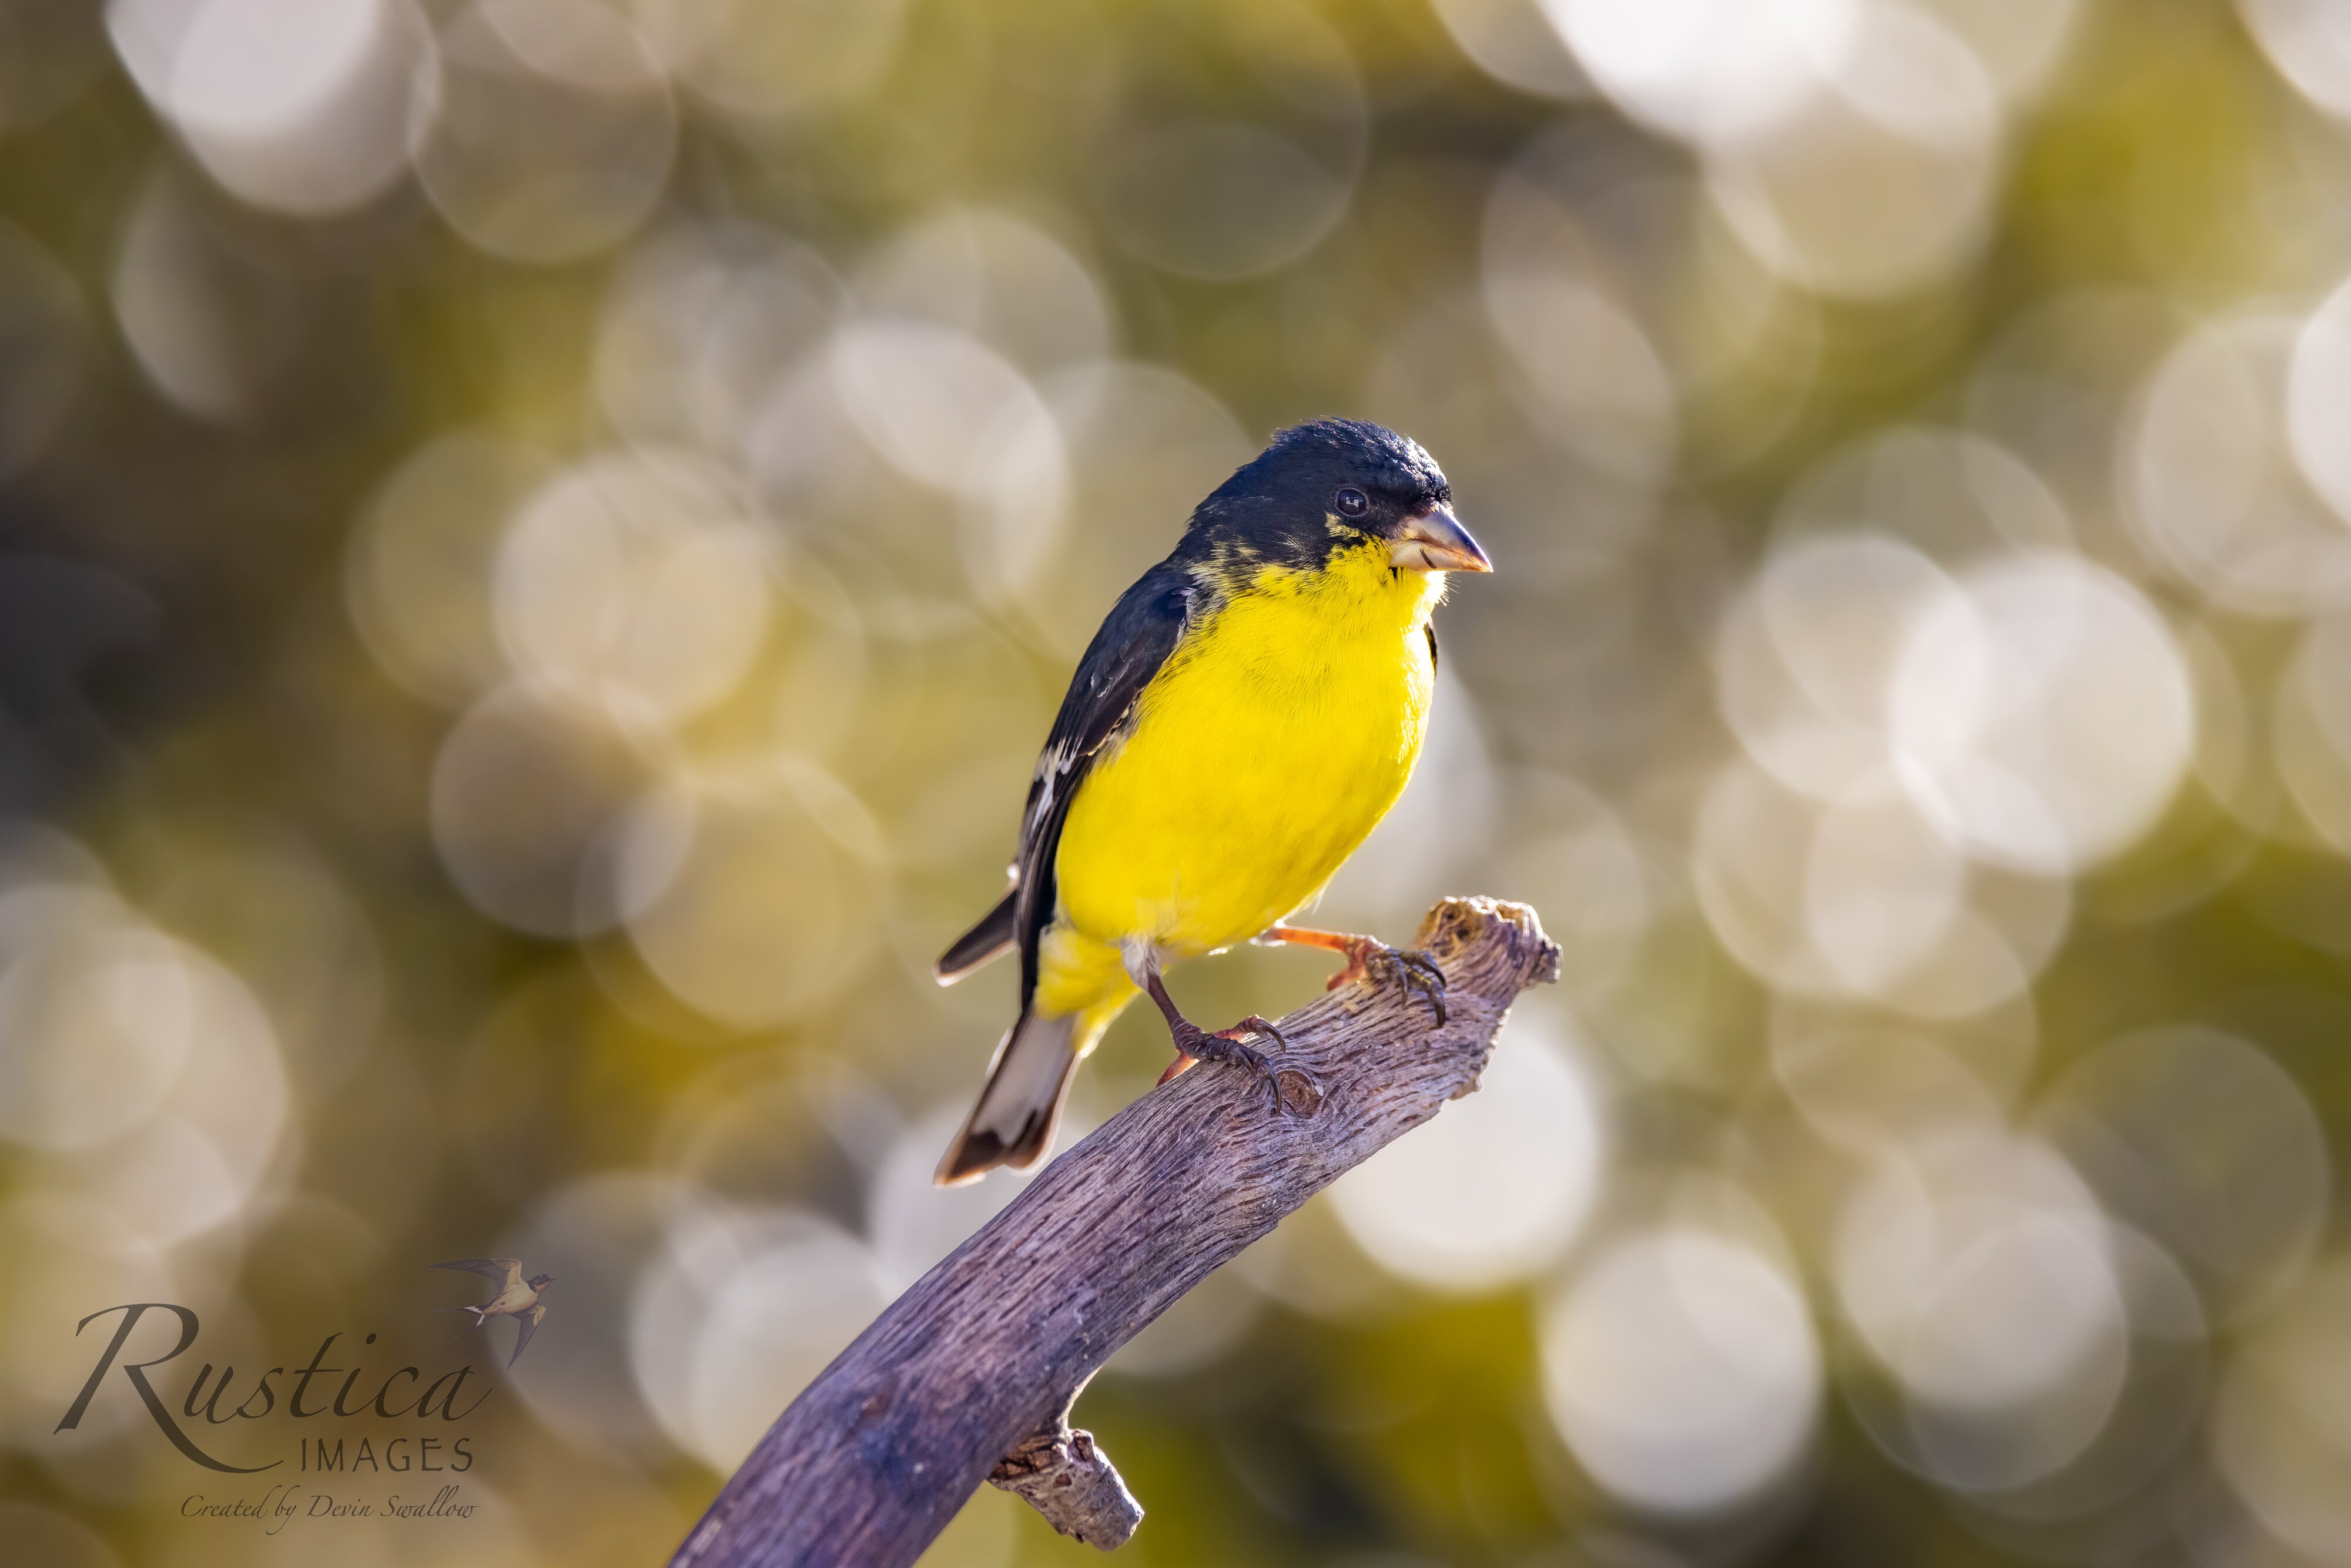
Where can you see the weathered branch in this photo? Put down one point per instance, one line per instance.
(970, 1375)
(1063, 1476)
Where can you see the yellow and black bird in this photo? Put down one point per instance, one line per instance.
(1249, 712)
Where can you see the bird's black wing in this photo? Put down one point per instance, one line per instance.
(506, 1272)
(1136, 637)
(983, 943)
(529, 1322)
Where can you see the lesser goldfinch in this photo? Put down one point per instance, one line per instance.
(1249, 710)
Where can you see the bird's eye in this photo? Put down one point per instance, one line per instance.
(1351, 502)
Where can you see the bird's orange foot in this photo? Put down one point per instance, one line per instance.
(1367, 955)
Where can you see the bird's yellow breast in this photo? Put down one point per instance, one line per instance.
(1274, 738)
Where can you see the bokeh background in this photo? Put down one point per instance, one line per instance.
(538, 539)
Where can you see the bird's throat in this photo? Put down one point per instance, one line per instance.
(1357, 591)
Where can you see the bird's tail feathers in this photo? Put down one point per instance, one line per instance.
(1013, 1122)
(994, 934)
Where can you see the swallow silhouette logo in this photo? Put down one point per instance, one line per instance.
(520, 1299)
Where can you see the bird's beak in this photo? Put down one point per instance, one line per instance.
(1435, 540)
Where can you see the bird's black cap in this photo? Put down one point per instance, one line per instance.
(1283, 506)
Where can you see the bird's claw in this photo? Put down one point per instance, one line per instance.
(1231, 1044)
(1419, 972)
(1301, 1094)
(1415, 971)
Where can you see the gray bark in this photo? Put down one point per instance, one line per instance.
(970, 1375)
